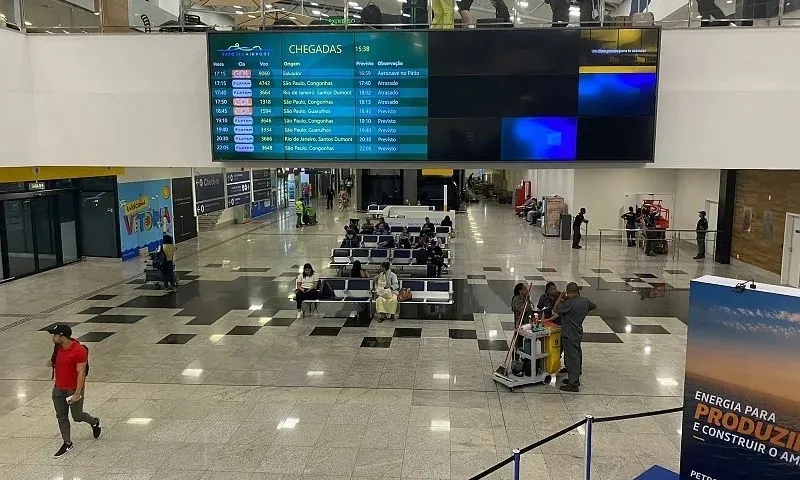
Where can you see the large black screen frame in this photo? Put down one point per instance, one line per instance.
(504, 50)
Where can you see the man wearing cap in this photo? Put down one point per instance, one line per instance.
(572, 309)
(69, 363)
(702, 228)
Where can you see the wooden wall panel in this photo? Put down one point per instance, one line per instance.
(759, 191)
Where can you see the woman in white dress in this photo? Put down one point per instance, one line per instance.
(386, 290)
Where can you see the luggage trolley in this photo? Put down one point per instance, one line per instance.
(542, 347)
(153, 275)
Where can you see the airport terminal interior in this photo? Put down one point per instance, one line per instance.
(222, 380)
(169, 171)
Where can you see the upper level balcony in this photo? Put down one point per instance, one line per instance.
(105, 16)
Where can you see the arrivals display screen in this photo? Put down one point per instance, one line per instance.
(479, 95)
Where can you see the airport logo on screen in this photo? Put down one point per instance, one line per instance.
(237, 50)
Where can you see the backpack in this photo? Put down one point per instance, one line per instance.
(53, 360)
(326, 292)
(159, 259)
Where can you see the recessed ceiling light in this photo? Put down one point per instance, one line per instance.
(138, 421)
(315, 373)
(441, 376)
(256, 307)
(216, 337)
(288, 423)
(353, 4)
(440, 425)
(192, 372)
(667, 381)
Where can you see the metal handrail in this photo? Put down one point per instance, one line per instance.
(675, 240)
(95, 29)
(266, 9)
(588, 421)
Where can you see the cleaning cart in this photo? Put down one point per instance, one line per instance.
(541, 346)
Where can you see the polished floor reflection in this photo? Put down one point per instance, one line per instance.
(222, 380)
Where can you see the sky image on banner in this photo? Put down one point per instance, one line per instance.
(742, 390)
(142, 208)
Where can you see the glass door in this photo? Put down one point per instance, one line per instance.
(19, 234)
(47, 250)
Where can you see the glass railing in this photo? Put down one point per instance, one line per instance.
(89, 16)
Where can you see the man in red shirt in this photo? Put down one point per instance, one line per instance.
(69, 363)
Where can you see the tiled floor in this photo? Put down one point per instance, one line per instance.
(221, 380)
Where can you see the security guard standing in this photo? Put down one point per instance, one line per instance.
(576, 228)
(630, 226)
(701, 229)
(572, 309)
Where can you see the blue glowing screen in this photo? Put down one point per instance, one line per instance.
(617, 93)
(539, 138)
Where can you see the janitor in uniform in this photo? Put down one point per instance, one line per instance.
(701, 229)
(576, 228)
(630, 226)
(572, 309)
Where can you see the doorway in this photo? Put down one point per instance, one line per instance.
(790, 267)
(712, 208)
(38, 233)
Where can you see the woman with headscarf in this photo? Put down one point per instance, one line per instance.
(386, 287)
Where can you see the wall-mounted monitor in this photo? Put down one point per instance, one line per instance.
(397, 95)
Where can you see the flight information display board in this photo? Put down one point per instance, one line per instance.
(486, 95)
(319, 96)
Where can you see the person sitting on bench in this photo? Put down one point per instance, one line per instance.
(307, 288)
(404, 240)
(386, 288)
(382, 228)
(428, 227)
(368, 228)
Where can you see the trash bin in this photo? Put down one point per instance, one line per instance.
(566, 226)
(552, 346)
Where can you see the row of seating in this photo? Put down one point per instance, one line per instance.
(360, 290)
(373, 241)
(441, 232)
(400, 258)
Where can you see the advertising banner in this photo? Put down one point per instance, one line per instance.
(742, 390)
(144, 209)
